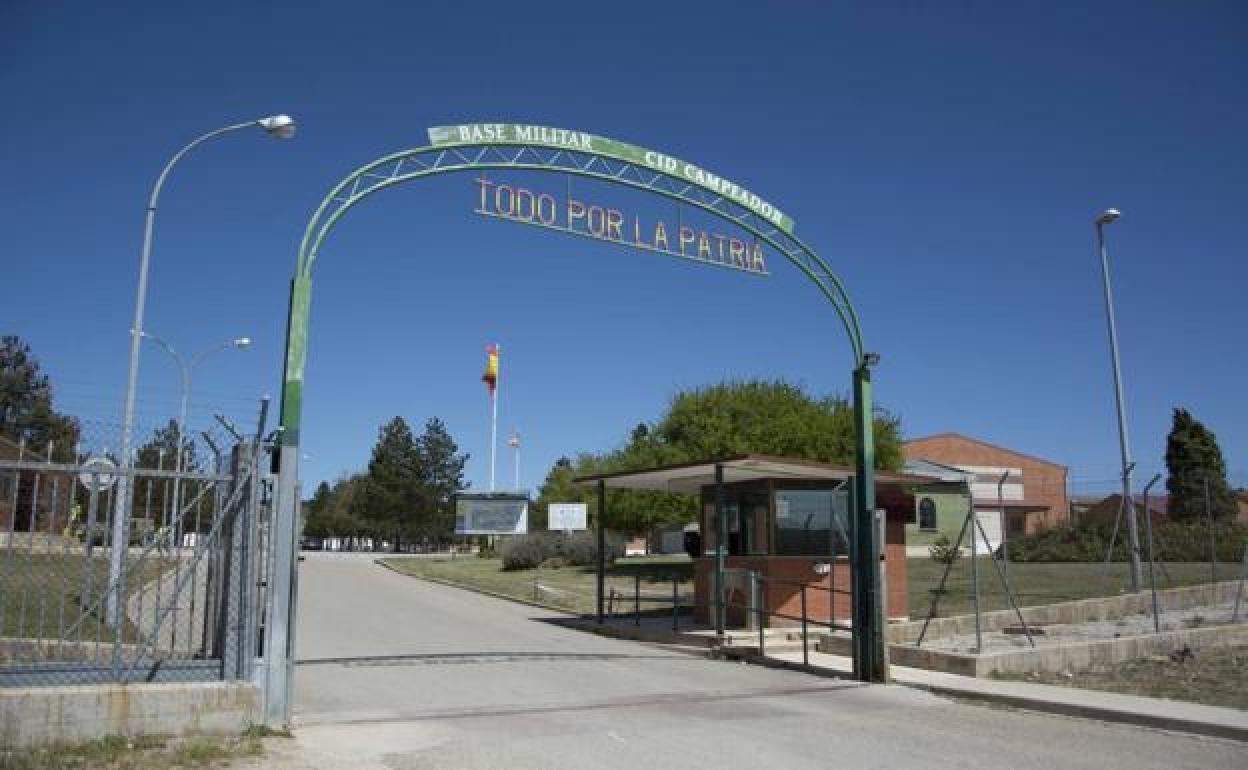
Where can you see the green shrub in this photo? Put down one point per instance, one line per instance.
(578, 549)
(1175, 541)
(526, 551)
(944, 551)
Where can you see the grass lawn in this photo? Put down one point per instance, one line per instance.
(1033, 583)
(1039, 583)
(38, 589)
(571, 588)
(1215, 677)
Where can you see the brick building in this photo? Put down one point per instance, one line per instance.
(1031, 490)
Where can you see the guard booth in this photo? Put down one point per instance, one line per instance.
(786, 524)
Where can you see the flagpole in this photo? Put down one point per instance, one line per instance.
(494, 420)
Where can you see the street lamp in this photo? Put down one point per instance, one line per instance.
(186, 369)
(1109, 216)
(280, 126)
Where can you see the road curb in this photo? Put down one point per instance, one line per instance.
(1088, 711)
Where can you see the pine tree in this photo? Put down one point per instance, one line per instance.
(391, 492)
(26, 411)
(442, 476)
(1192, 459)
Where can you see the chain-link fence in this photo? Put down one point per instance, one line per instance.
(114, 571)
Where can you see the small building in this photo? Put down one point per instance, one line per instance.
(1012, 493)
(31, 500)
(787, 520)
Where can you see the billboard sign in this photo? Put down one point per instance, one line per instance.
(566, 516)
(491, 515)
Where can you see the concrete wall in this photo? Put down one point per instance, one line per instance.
(41, 715)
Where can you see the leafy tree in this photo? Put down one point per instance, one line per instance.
(732, 418)
(26, 411)
(1192, 459)
(762, 417)
(558, 488)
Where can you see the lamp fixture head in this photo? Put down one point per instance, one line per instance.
(1108, 216)
(281, 126)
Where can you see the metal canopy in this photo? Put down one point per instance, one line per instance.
(690, 478)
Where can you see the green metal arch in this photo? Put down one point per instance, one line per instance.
(870, 660)
(327, 215)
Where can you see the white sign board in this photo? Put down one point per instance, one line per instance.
(97, 474)
(566, 516)
(491, 516)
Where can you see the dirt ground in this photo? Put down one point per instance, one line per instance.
(1216, 676)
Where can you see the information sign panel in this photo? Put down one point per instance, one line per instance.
(566, 516)
(491, 515)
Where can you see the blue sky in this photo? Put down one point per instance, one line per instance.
(946, 158)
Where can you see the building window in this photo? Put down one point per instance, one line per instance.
(927, 513)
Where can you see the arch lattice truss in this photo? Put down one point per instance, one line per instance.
(501, 155)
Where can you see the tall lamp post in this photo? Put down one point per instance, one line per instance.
(1109, 216)
(514, 443)
(186, 369)
(280, 126)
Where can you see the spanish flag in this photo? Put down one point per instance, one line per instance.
(490, 378)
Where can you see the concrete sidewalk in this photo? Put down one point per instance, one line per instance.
(783, 651)
(1107, 706)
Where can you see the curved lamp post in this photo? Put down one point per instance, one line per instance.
(186, 369)
(1109, 216)
(280, 126)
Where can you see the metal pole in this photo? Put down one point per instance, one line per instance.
(1133, 534)
(637, 599)
(759, 612)
(494, 414)
(515, 445)
(979, 641)
(121, 501)
(1148, 532)
(1213, 554)
(675, 602)
(602, 545)
(1239, 591)
(1005, 523)
(805, 644)
(719, 550)
(870, 654)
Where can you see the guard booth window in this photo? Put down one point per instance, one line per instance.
(804, 522)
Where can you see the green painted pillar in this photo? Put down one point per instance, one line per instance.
(870, 654)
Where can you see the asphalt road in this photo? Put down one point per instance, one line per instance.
(395, 672)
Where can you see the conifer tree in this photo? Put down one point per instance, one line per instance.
(1192, 459)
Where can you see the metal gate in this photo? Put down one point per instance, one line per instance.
(171, 593)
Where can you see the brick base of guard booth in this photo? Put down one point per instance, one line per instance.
(830, 581)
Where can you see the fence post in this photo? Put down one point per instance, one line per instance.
(805, 644)
(759, 616)
(637, 600)
(675, 603)
(232, 543)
